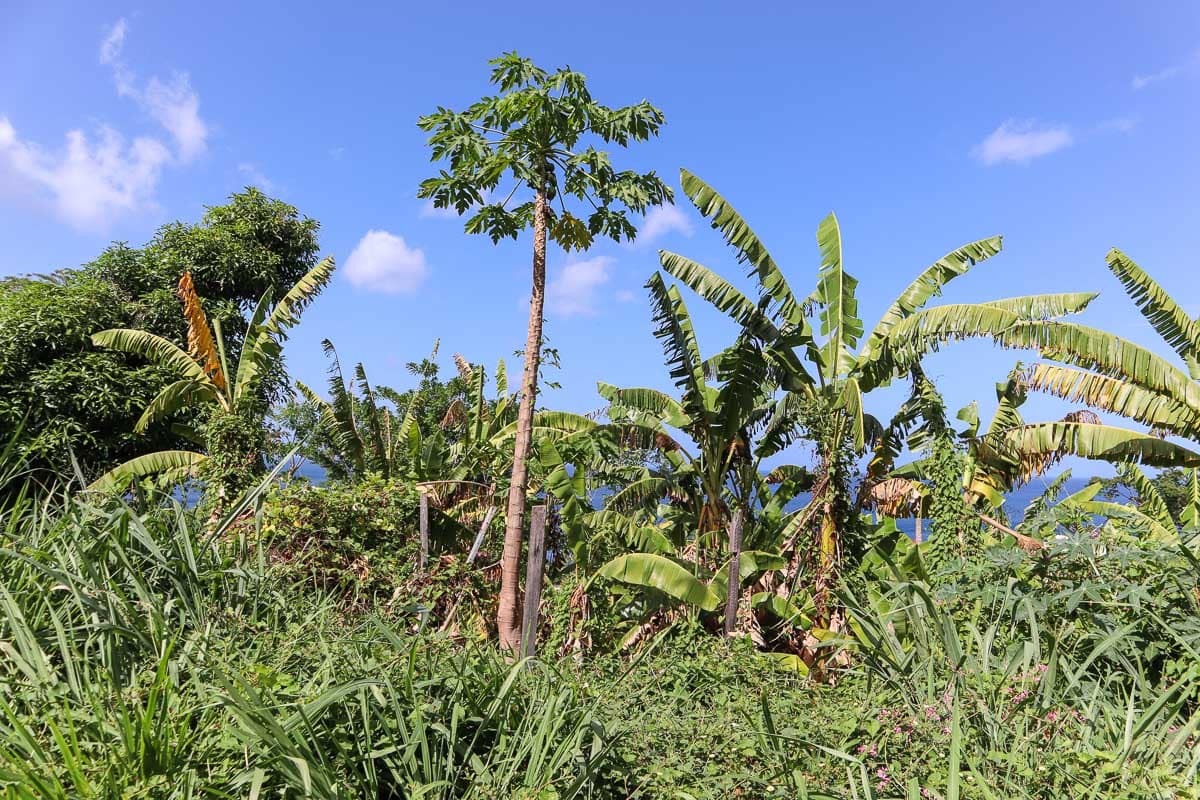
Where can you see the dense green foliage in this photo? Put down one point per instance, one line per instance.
(76, 399)
(708, 621)
(145, 659)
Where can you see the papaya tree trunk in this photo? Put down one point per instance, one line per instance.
(508, 617)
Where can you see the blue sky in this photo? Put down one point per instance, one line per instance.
(1069, 129)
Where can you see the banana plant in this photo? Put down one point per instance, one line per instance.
(360, 433)
(824, 382)
(708, 501)
(204, 377)
(1011, 452)
(463, 464)
(1108, 373)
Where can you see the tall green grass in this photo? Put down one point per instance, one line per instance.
(146, 655)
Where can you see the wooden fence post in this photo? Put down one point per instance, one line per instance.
(535, 567)
(733, 589)
(424, 557)
(487, 521)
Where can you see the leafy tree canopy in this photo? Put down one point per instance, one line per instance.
(75, 398)
(531, 134)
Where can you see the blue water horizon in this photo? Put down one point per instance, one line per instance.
(1014, 506)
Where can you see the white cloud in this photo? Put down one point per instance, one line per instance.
(383, 262)
(662, 220)
(1022, 141)
(626, 296)
(172, 104)
(95, 180)
(110, 48)
(1142, 81)
(256, 176)
(572, 292)
(1118, 124)
(336, 153)
(92, 183)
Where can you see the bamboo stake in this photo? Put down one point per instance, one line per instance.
(487, 521)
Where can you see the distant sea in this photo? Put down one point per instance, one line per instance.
(1014, 505)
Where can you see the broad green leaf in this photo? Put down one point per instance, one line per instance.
(174, 397)
(742, 238)
(152, 348)
(929, 283)
(1045, 306)
(121, 476)
(1118, 396)
(1171, 322)
(839, 305)
(661, 573)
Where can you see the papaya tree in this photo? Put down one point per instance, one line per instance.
(533, 133)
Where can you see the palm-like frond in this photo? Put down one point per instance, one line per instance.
(929, 283)
(1150, 500)
(1112, 510)
(639, 492)
(1099, 442)
(1116, 396)
(258, 351)
(152, 348)
(375, 423)
(673, 327)
(1104, 353)
(718, 291)
(548, 424)
(345, 432)
(643, 538)
(176, 396)
(661, 573)
(744, 388)
(784, 425)
(286, 313)
(327, 416)
(266, 331)
(501, 380)
(1171, 322)
(1045, 306)
(724, 218)
(1190, 516)
(651, 402)
(925, 331)
(750, 563)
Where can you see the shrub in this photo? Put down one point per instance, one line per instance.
(357, 540)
